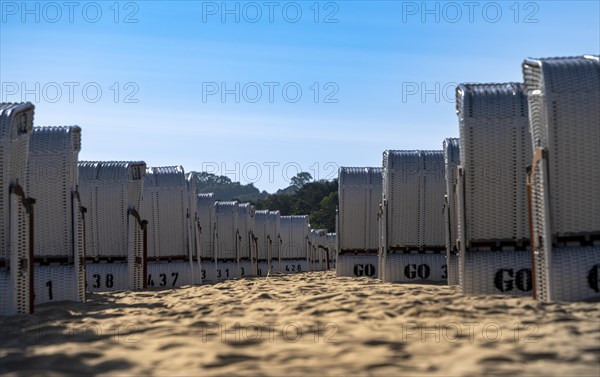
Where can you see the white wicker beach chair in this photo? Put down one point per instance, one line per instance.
(266, 231)
(115, 233)
(413, 238)
(247, 243)
(52, 179)
(318, 247)
(193, 220)
(172, 261)
(313, 240)
(494, 152)
(226, 240)
(451, 162)
(332, 250)
(564, 114)
(274, 238)
(293, 255)
(206, 215)
(16, 210)
(360, 192)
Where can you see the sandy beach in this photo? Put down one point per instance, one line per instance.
(305, 324)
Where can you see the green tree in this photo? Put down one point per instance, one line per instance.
(301, 179)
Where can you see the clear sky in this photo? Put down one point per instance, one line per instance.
(259, 90)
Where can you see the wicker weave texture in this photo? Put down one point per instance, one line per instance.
(414, 187)
(52, 178)
(360, 191)
(293, 265)
(452, 263)
(227, 270)
(494, 153)
(358, 265)
(294, 237)
(332, 246)
(575, 273)
(173, 274)
(226, 237)
(451, 148)
(317, 249)
(563, 96)
(166, 207)
(16, 124)
(206, 214)
(497, 272)
(193, 218)
(109, 189)
(415, 268)
(112, 192)
(261, 232)
(246, 246)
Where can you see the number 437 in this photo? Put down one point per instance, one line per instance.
(162, 279)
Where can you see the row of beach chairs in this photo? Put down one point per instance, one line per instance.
(71, 227)
(510, 207)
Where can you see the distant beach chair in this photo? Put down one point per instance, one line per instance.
(246, 243)
(266, 232)
(332, 250)
(493, 221)
(451, 150)
(317, 247)
(206, 214)
(115, 233)
(360, 193)
(193, 231)
(413, 236)
(564, 181)
(293, 254)
(274, 240)
(172, 259)
(226, 241)
(16, 210)
(52, 179)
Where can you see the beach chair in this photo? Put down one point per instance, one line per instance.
(564, 119)
(492, 213)
(115, 233)
(317, 246)
(172, 261)
(16, 210)
(52, 179)
(313, 240)
(413, 236)
(193, 230)
(246, 240)
(332, 250)
(294, 233)
(323, 249)
(226, 240)
(360, 191)
(206, 214)
(266, 232)
(274, 239)
(451, 150)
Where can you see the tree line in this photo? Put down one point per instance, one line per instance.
(317, 199)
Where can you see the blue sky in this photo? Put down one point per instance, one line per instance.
(339, 81)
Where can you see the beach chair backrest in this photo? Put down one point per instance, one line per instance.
(206, 214)
(165, 205)
(52, 179)
(360, 191)
(294, 231)
(494, 153)
(413, 194)
(109, 191)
